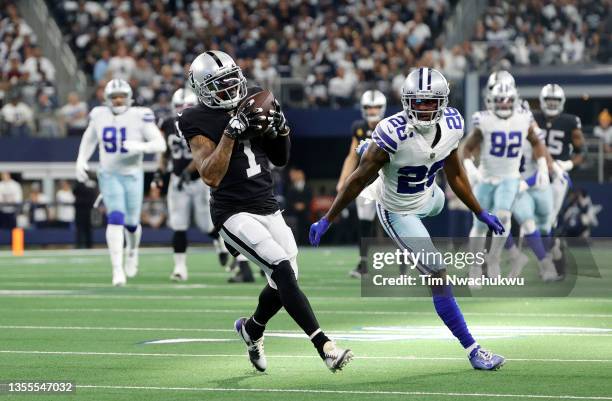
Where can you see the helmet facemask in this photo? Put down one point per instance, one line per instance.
(424, 110)
(503, 106)
(118, 108)
(552, 106)
(373, 114)
(224, 90)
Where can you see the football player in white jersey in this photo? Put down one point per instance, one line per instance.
(407, 151)
(373, 106)
(122, 134)
(498, 135)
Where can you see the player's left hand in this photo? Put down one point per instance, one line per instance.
(133, 146)
(560, 173)
(277, 120)
(542, 179)
(317, 230)
(491, 221)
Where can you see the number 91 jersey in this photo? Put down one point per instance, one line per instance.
(502, 143)
(406, 183)
(135, 124)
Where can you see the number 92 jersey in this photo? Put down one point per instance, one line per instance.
(135, 124)
(502, 142)
(406, 183)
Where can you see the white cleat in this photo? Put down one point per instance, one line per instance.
(255, 349)
(493, 269)
(336, 358)
(475, 272)
(548, 272)
(517, 264)
(179, 273)
(131, 264)
(119, 279)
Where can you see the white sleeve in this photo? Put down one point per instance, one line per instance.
(155, 142)
(88, 144)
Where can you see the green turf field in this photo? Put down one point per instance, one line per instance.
(61, 320)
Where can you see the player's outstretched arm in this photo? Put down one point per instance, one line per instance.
(211, 160)
(459, 183)
(578, 144)
(373, 160)
(350, 163)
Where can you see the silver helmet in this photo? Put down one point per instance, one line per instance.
(503, 99)
(373, 99)
(421, 86)
(183, 98)
(497, 77)
(552, 100)
(216, 80)
(116, 87)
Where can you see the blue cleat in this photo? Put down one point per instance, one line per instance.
(482, 359)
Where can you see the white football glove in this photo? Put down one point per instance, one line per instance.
(566, 165)
(559, 172)
(523, 186)
(81, 171)
(474, 175)
(542, 178)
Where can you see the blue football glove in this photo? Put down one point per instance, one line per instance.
(317, 230)
(491, 221)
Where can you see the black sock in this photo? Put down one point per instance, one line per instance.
(179, 241)
(214, 234)
(269, 304)
(245, 270)
(365, 231)
(296, 304)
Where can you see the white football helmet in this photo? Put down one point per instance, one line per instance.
(217, 80)
(182, 99)
(118, 87)
(420, 87)
(552, 100)
(497, 77)
(373, 98)
(503, 100)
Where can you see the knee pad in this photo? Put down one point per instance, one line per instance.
(116, 218)
(283, 275)
(179, 241)
(528, 227)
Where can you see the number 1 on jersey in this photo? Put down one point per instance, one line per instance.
(254, 168)
(109, 137)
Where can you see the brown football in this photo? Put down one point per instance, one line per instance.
(264, 100)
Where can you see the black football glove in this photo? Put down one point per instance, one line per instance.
(244, 119)
(278, 122)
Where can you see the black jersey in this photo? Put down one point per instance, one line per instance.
(558, 133)
(177, 151)
(361, 130)
(247, 185)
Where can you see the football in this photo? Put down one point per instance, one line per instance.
(264, 100)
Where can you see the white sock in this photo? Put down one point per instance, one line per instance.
(241, 258)
(219, 245)
(471, 348)
(114, 240)
(514, 251)
(132, 240)
(180, 259)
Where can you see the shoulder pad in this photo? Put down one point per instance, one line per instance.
(390, 132)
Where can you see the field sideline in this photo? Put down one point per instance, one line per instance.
(154, 340)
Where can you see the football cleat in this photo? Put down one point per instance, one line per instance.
(223, 258)
(119, 279)
(482, 359)
(493, 269)
(255, 349)
(179, 273)
(131, 264)
(548, 272)
(336, 358)
(517, 264)
(360, 270)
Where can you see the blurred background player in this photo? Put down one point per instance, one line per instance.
(373, 106)
(186, 192)
(408, 150)
(498, 135)
(565, 143)
(123, 134)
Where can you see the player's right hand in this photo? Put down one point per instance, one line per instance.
(82, 169)
(245, 117)
(317, 230)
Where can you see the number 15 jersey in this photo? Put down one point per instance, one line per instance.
(111, 130)
(406, 183)
(502, 143)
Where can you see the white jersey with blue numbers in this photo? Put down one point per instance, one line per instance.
(406, 183)
(502, 142)
(111, 130)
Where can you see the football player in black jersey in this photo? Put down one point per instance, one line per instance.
(565, 143)
(232, 154)
(373, 106)
(185, 190)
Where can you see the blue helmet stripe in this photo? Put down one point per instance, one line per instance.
(420, 78)
(429, 81)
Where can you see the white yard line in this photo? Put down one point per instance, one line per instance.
(393, 357)
(352, 392)
(318, 311)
